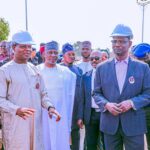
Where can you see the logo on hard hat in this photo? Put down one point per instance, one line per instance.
(143, 2)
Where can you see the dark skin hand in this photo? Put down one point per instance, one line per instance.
(25, 112)
(52, 112)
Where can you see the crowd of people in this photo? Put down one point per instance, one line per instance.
(51, 101)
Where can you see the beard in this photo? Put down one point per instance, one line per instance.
(86, 57)
(119, 52)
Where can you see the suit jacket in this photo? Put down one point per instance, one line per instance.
(85, 102)
(106, 90)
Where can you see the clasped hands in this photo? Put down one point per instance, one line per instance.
(116, 109)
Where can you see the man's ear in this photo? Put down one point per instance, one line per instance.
(130, 43)
(13, 47)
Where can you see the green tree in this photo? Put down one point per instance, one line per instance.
(4, 29)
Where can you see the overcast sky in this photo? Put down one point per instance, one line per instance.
(76, 20)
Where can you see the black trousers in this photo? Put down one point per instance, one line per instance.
(147, 110)
(75, 137)
(93, 136)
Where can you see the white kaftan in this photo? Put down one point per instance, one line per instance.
(84, 66)
(21, 85)
(60, 83)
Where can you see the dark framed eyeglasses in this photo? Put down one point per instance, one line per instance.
(119, 41)
(2, 46)
(94, 58)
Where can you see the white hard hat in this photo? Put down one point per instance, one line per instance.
(22, 37)
(122, 30)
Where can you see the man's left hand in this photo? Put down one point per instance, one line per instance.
(53, 112)
(125, 105)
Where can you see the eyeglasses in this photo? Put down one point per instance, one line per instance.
(94, 58)
(2, 46)
(52, 52)
(119, 41)
(24, 46)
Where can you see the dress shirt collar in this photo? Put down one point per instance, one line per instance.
(125, 60)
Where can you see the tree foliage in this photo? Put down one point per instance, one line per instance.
(4, 29)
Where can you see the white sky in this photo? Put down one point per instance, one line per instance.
(76, 20)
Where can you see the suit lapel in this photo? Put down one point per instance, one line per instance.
(113, 73)
(89, 79)
(131, 66)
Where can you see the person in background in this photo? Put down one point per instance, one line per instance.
(142, 53)
(40, 53)
(22, 96)
(89, 112)
(60, 83)
(105, 54)
(33, 59)
(4, 53)
(122, 90)
(84, 64)
(68, 60)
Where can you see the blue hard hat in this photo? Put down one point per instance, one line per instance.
(22, 37)
(141, 50)
(122, 30)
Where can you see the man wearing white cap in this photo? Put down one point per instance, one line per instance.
(60, 83)
(121, 90)
(22, 97)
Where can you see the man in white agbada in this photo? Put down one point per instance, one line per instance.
(60, 83)
(22, 96)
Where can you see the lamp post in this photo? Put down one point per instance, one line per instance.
(26, 14)
(143, 3)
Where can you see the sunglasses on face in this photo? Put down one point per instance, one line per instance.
(94, 58)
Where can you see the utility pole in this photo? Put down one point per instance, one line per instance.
(143, 3)
(26, 14)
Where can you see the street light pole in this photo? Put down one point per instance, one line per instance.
(143, 3)
(26, 14)
(143, 15)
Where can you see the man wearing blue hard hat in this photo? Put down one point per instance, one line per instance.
(68, 61)
(142, 52)
(22, 97)
(121, 90)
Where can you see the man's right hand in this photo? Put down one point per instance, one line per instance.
(113, 108)
(25, 112)
(80, 123)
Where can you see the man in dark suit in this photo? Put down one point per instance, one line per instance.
(122, 89)
(89, 112)
(142, 52)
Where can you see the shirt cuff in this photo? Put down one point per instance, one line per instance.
(132, 104)
(50, 107)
